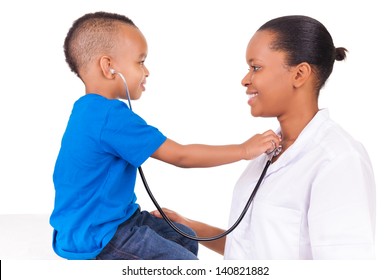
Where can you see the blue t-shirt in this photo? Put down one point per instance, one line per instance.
(94, 176)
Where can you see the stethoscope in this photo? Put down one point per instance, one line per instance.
(273, 153)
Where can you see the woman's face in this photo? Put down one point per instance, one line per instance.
(269, 80)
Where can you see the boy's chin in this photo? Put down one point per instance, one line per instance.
(136, 97)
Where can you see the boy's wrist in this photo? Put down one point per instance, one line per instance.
(244, 151)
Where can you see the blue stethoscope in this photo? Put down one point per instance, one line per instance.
(270, 154)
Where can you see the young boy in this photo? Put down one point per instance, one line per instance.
(95, 214)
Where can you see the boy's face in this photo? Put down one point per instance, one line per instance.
(128, 58)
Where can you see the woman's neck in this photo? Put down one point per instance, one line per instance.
(292, 126)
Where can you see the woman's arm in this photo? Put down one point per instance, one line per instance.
(342, 209)
(201, 230)
(197, 155)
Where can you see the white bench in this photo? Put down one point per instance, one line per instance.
(29, 237)
(26, 237)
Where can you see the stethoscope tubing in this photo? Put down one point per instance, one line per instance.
(197, 238)
(166, 218)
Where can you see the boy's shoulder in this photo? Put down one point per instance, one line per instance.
(95, 106)
(93, 99)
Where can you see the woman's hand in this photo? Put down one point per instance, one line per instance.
(201, 229)
(172, 215)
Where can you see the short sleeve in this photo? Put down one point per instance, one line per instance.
(128, 136)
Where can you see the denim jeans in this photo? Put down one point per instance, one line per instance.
(145, 237)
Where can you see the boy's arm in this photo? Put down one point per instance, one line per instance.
(197, 155)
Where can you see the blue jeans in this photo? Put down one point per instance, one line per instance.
(145, 237)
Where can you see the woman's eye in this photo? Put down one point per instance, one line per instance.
(255, 68)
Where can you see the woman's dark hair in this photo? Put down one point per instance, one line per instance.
(305, 39)
(90, 36)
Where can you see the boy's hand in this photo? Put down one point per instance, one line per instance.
(198, 155)
(259, 144)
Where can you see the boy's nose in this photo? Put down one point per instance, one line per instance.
(146, 71)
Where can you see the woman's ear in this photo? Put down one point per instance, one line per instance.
(106, 66)
(302, 73)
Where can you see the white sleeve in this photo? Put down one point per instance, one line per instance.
(341, 216)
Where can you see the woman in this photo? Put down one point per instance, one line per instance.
(317, 200)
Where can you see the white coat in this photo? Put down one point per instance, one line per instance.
(317, 200)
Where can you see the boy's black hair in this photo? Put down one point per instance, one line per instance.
(91, 35)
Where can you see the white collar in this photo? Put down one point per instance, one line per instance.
(305, 138)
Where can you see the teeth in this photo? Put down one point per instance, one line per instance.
(252, 95)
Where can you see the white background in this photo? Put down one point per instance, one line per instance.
(196, 62)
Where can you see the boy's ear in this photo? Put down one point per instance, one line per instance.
(105, 66)
(302, 73)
